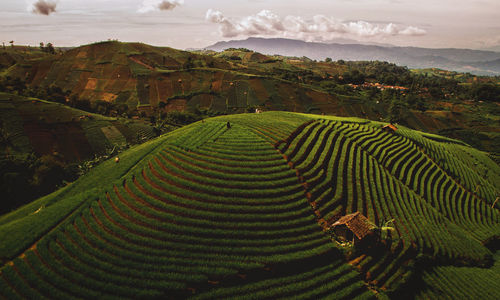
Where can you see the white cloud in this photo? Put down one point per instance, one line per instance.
(320, 27)
(43, 7)
(411, 30)
(153, 5)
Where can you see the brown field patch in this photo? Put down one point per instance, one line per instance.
(82, 82)
(326, 103)
(40, 72)
(82, 54)
(259, 89)
(108, 97)
(206, 101)
(438, 113)
(163, 87)
(154, 92)
(429, 121)
(444, 104)
(176, 105)
(91, 84)
(217, 82)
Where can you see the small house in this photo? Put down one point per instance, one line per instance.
(357, 228)
(390, 128)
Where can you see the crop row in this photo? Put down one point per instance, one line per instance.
(461, 283)
(183, 221)
(351, 168)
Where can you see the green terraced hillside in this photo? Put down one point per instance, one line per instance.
(219, 210)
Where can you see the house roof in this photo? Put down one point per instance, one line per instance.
(390, 126)
(357, 223)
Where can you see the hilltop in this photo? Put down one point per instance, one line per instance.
(241, 206)
(145, 77)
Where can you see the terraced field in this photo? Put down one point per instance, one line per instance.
(240, 207)
(147, 77)
(32, 125)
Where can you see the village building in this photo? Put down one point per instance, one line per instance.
(357, 228)
(390, 128)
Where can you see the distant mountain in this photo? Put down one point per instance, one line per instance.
(493, 48)
(461, 60)
(351, 41)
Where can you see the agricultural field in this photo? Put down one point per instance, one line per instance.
(241, 206)
(149, 81)
(43, 127)
(44, 145)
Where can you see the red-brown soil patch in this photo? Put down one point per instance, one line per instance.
(91, 84)
(176, 105)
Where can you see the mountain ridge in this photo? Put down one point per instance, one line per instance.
(413, 57)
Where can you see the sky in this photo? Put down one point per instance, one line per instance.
(198, 23)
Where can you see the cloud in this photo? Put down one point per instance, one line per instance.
(263, 23)
(411, 30)
(43, 7)
(320, 27)
(153, 5)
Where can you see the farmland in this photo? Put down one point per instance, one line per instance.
(240, 206)
(43, 144)
(141, 80)
(43, 127)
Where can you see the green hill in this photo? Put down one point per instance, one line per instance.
(145, 78)
(212, 211)
(19, 55)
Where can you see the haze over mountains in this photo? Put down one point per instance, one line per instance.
(461, 60)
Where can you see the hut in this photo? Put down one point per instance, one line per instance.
(390, 128)
(357, 228)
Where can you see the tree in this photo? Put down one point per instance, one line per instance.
(398, 110)
(328, 60)
(50, 48)
(102, 107)
(189, 64)
(485, 92)
(354, 76)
